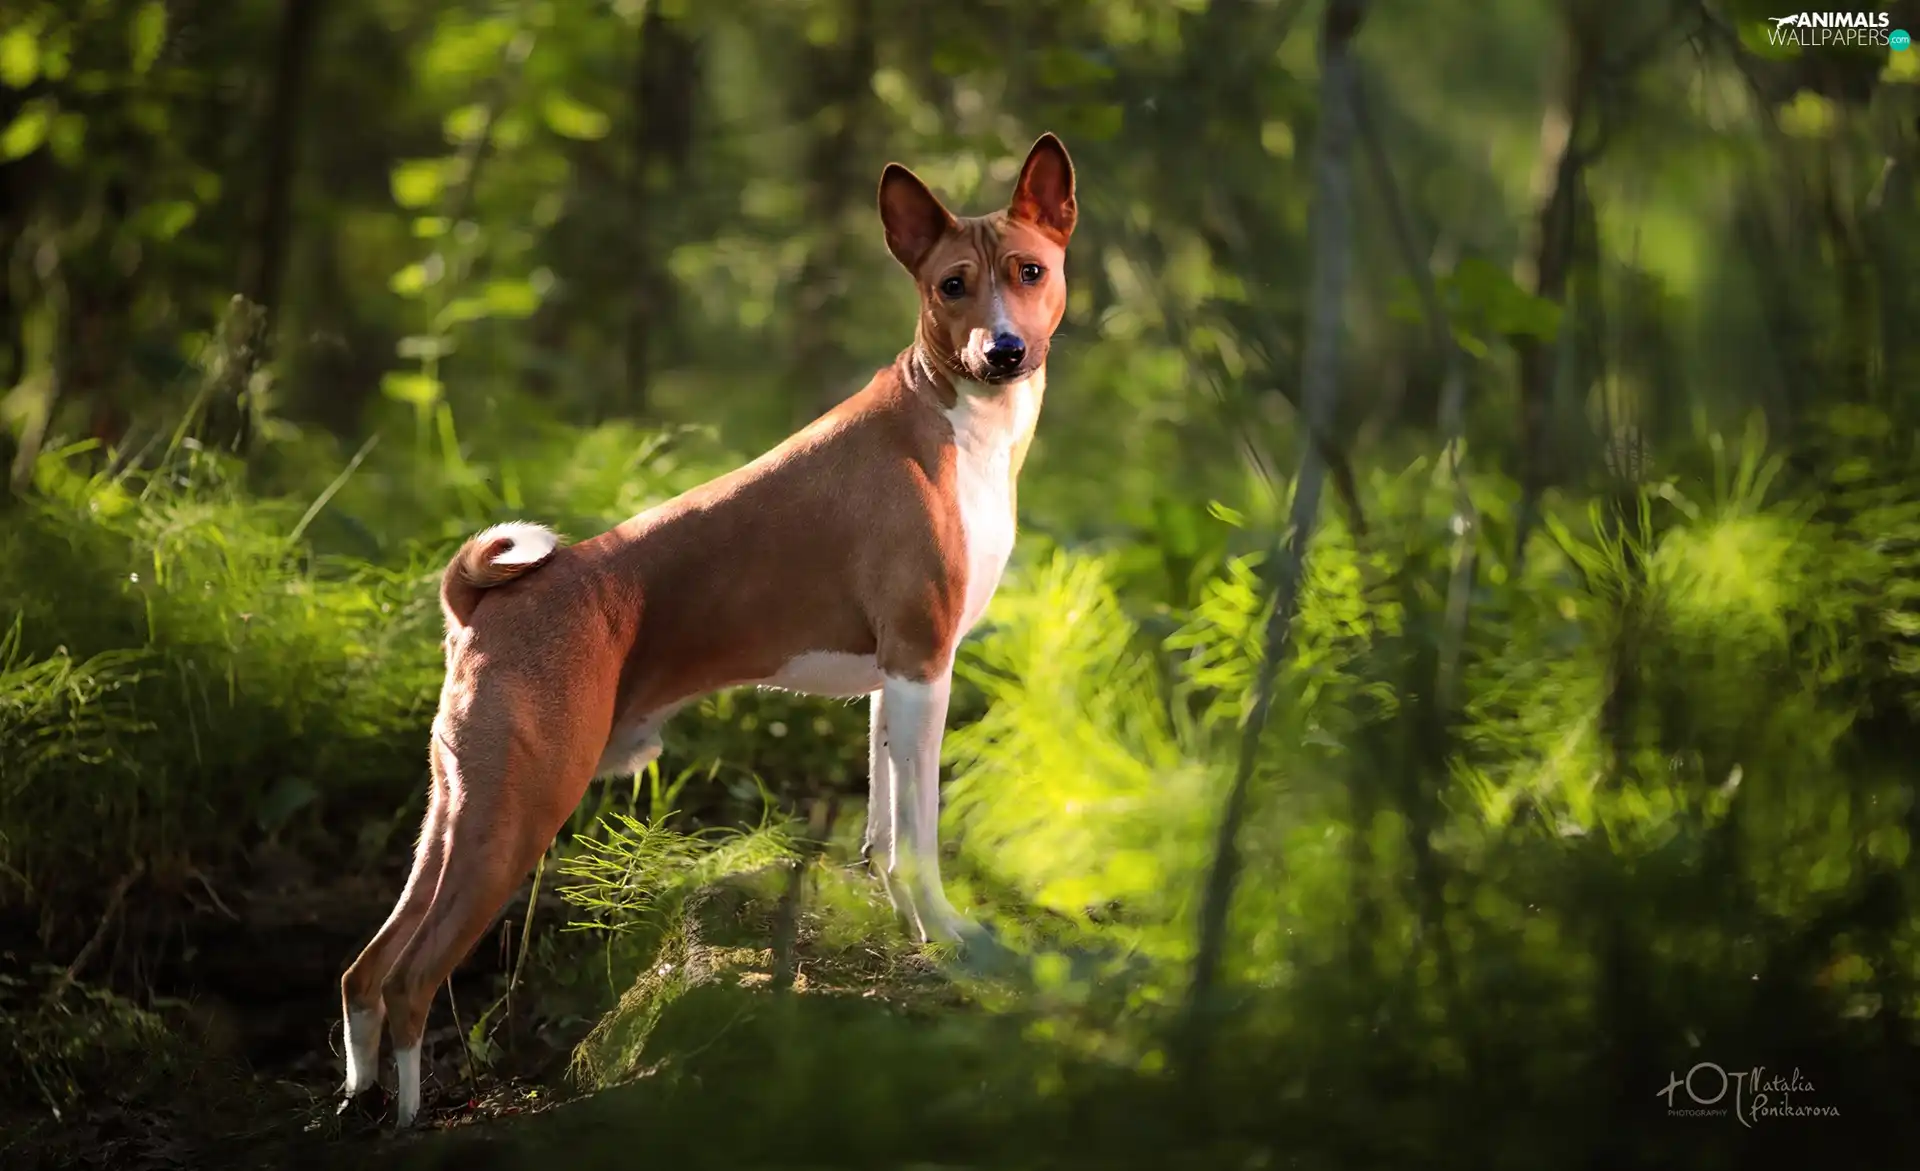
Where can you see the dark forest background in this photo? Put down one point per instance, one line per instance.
(1460, 671)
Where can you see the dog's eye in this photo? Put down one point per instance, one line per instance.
(1030, 274)
(953, 287)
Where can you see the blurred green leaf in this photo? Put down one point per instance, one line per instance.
(1528, 315)
(418, 182)
(147, 34)
(573, 119)
(166, 219)
(1276, 138)
(424, 347)
(19, 56)
(68, 137)
(420, 390)
(466, 123)
(460, 311)
(56, 55)
(1902, 68)
(27, 131)
(1222, 512)
(410, 281)
(511, 298)
(1470, 344)
(149, 115)
(1485, 298)
(462, 49)
(1808, 115)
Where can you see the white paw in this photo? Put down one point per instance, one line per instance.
(948, 925)
(407, 1094)
(363, 1052)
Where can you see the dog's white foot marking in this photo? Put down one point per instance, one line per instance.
(363, 1051)
(407, 1105)
(947, 925)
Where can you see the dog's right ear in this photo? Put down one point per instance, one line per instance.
(913, 216)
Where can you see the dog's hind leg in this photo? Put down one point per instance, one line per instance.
(361, 1004)
(507, 797)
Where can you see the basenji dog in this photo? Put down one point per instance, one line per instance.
(850, 560)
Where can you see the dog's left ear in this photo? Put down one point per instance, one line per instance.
(1044, 195)
(914, 217)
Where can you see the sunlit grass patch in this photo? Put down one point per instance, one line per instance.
(239, 680)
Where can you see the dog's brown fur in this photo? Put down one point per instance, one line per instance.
(846, 539)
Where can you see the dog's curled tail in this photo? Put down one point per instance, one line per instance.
(490, 558)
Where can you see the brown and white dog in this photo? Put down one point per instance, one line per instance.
(849, 560)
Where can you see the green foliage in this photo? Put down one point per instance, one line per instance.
(1656, 716)
(1485, 305)
(62, 1050)
(642, 870)
(257, 679)
(1548, 825)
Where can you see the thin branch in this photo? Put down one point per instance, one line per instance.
(473, 1080)
(116, 899)
(1331, 220)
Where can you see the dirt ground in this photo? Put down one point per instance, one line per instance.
(246, 974)
(244, 971)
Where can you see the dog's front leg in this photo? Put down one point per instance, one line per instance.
(915, 719)
(880, 850)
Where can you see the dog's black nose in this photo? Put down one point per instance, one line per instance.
(1006, 352)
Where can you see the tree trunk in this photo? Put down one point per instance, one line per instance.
(1544, 272)
(293, 61)
(839, 177)
(665, 82)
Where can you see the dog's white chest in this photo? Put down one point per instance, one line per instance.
(985, 431)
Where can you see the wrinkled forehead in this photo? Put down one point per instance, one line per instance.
(985, 241)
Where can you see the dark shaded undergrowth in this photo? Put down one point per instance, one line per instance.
(1668, 823)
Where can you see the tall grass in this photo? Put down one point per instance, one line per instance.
(216, 680)
(1670, 818)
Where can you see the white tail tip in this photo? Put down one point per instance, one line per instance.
(532, 543)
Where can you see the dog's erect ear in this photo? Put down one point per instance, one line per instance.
(1044, 195)
(912, 215)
